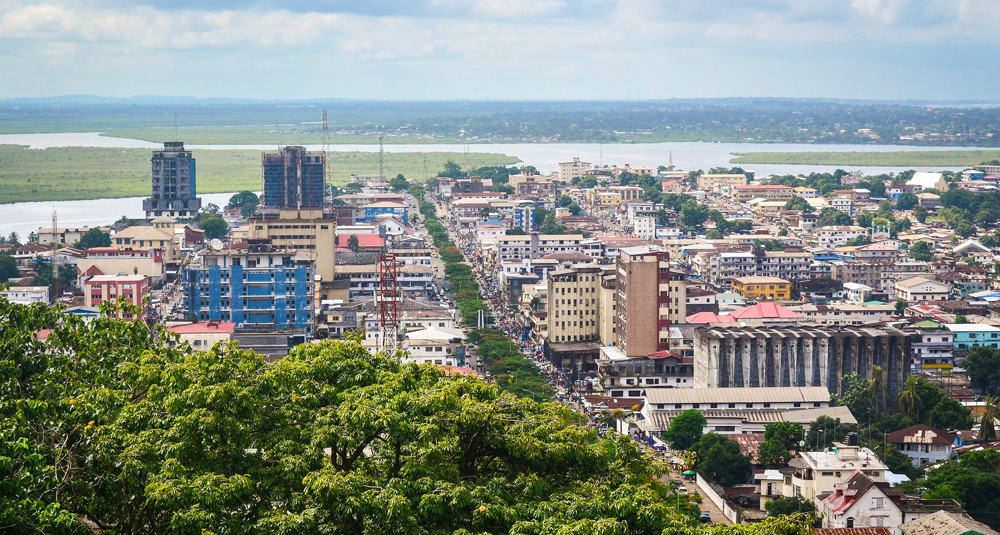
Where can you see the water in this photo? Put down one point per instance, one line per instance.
(25, 217)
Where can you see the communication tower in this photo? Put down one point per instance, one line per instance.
(387, 299)
(381, 175)
(326, 150)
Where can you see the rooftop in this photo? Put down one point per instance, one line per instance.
(806, 394)
(945, 523)
(204, 327)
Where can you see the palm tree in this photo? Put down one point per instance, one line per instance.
(987, 425)
(352, 243)
(909, 400)
(878, 389)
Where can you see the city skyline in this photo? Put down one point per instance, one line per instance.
(511, 50)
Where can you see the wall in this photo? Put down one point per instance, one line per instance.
(727, 508)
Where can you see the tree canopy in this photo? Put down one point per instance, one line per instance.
(104, 421)
(720, 460)
(214, 227)
(685, 429)
(983, 366)
(94, 237)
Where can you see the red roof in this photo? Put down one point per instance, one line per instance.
(663, 354)
(364, 240)
(204, 327)
(765, 310)
(709, 317)
(457, 370)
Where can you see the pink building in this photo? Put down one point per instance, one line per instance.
(101, 288)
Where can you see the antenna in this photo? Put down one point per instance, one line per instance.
(381, 159)
(175, 125)
(600, 133)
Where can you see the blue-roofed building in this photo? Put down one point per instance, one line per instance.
(255, 285)
(375, 211)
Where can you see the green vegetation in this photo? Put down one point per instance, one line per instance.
(983, 366)
(781, 441)
(104, 421)
(789, 506)
(685, 429)
(58, 174)
(973, 481)
(937, 158)
(720, 460)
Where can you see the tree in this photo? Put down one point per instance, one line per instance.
(909, 400)
(564, 201)
(210, 209)
(961, 319)
(781, 440)
(8, 268)
(798, 203)
(907, 201)
(901, 306)
(921, 213)
(983, 366)
(352, 243)
(93, 238)
(949, 414)
(973, 481)
(549, 226)
(516, 231)
(399, 183)
(878, 388)
(104, 421)
(825, 430)
(452, 170)
(574, 209)
(685, 429)
(857, 398)
(693, 213)
(832, 217)
(214, 227)
(32, 237)
(987, 420)
(713, 234)
(921, 251)
(14, 240)
(720, 460)
(789, 506)
(857, 241)
(246, 201)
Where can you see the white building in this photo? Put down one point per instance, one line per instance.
(925, 180)
(839, 235)
(857, 293)
(435, 345)
(922, 443)
(861, 502)
(818, 472)
(203, 335)
(644, 227)
(26, 294)
(917, 289)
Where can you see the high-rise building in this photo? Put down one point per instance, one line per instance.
(174, 187)
(643, 300)
(294, 178)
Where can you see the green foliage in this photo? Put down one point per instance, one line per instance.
(549, 226)
(973, 480)
(769, 245)
(713, 235)
(509, 368)
(983, 366)
(685, 429)
(450, 255)
(949, 414)
(8, 268)
(798, 203)
(516, 231)
(825, 430)
(564, 201)
(831, 217)
(242, 199)
(94, 237)
(857, 398)
(720, 460)
(899, 463)
(781, 441)
(921, 213)
(693, 214)
(907, 201)
(921, 251)
(214, 227)
(451, 169)
(864, 239)
(789, 506)
(399, 183)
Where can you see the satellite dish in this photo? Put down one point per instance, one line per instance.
(802, 443)
(215, 243)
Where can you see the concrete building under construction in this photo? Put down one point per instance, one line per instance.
(732, 355)
(294, 178)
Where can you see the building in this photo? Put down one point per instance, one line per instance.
(294, 178)
(792, 266)
(175, 191)
(918, 289)
(845, 314)
(572, 305)
(441, 346)
(926, 180)
(923, 444)
(613, 196)
(734, 356)
(109, 260)
(818, 473)
(838, 236)
(310, 231)
(713, 182)
(644, 227)
(60, 236)
(642, 300)
(26, 295)
(202, 335)
(256, 285)
(968, 335)
(574, 169)
(375, 211)
(100, 288)
(771, 193)
(762, 288)
(140, 238)
(945, 523)
(861, 502)
(933, 348)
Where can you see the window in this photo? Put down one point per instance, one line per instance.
(850, 522)
(878, 503)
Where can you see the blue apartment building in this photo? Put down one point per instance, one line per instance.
(372, 212)
(255, 285)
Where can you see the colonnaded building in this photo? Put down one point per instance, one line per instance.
(734, 356)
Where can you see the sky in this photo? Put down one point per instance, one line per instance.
(502, 49)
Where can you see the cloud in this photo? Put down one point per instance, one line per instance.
(492, 48)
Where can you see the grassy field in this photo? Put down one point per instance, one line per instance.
(61, 174)
(937, 158)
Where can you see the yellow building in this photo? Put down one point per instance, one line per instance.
(613, 196)
(762, 288)
(308, 229)
(145, 238)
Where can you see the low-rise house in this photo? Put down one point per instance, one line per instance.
(968, 335)
(817, 473)
(762, 288)
(100, 288)
(860, 502)
(838, 236)
(933, 347)
(917, 289)
(922, 443)
(203, 335)
(26, 294)
(945, 523)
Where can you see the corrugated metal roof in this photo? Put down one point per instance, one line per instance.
(737, 395)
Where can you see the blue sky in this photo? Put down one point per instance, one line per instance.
(502, 49)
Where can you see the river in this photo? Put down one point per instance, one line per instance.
(26, 217)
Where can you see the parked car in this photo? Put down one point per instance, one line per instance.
(682, 490)
(704, 517)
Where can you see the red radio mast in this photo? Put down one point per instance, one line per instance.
(387, 298)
